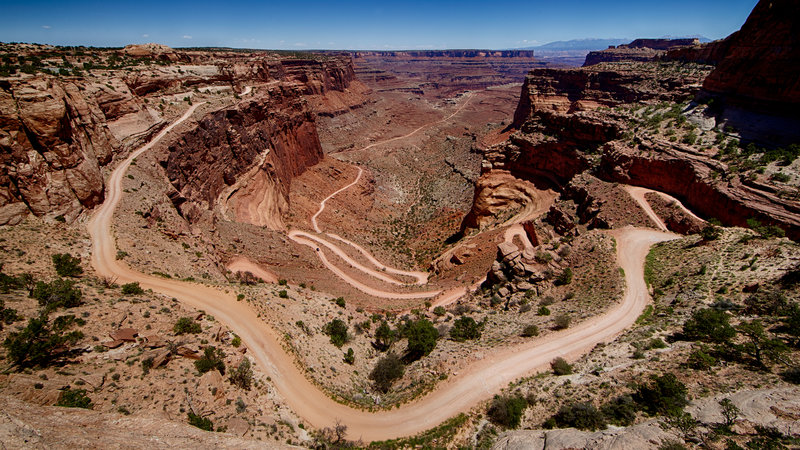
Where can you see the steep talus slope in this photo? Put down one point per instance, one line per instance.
(245, 155)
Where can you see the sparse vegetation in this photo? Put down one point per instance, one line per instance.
(213, 358)
(336, 329)
(67, 265)
(388, 369)
(74, 398)
(186, 325)
(507, 410)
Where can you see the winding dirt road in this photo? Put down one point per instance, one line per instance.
(459, 393)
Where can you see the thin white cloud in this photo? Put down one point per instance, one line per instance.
(300, 44)
(145, 35)
(186, 36)
(46, 27)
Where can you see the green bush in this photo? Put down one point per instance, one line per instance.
(385, 336)
(700, 359)
(564, 278)
(709, 325)
(439, 311)
(204, 423)
(621, 411)
(41, 344)
(339, 302)
(213, 358)
(560, 366)
(506, 410)
(583, 416)
(186, 325)
(7, 315)
(386, 371)
(465, 328)
(336, 329)
(543, 311)
(67, 265)
(664, 395)
(350, 356)
(132, 289)
(530, 331)
(421, 336)
(74, 398)
(710, 233)
(242, 375)
(283, 294)
(562, 321)
(56, 294)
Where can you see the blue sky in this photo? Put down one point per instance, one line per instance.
(373, 24)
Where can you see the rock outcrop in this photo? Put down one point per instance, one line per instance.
(56, 133)
(593, 120)
(53, 141)
(761, 62)
(243, 158)
(638, 50)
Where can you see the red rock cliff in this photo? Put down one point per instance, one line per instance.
(761, 67)
(53, 140)
(240, 160)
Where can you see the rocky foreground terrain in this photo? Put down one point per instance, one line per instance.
(509, 200)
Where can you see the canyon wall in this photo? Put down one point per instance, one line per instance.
(56, 133)
(442, 73)
(241, 159)
(638, 50)
(53, 141)
(573, 121)
(759, 70)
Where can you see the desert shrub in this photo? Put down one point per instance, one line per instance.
(242, 375)
(710, 233)
(564, 278)
(213, 358)
(765, 231)
(560, 366)
(530, 331)
(439, 311)
(132, 289)
(186, 325)
(204, 423)
(336, 329)
(56, 294)
(67, 265)
(350, 356)
(7, 315)
(388, 369)
(562, 321)
(41, 343)
(385, 336)
(507, 410)
(465, 328)
(339, 302)
(74, 398)
(621, 411)
(236, 341)
(709, 325)
(543, 311)
(283, 294)
(664, 395)
(766, 302)
(421, 335)
(701, 359)
(583, 416)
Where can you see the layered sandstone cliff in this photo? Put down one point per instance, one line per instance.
(53, 141)
(241, 159)
(56, 132)
(638, 50)
(760, 67)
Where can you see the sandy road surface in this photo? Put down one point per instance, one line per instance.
(476, 383)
